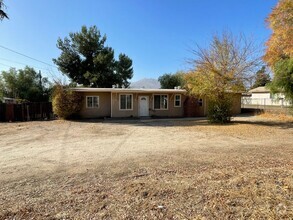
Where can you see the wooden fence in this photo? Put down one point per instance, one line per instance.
(26, 111)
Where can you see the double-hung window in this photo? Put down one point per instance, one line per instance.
(92, 101)
(161, 102)
(177, 100)
(125, 102)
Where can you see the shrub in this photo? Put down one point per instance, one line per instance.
(66, 103)
(219, 110)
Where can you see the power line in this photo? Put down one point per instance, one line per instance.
(12, 61)
(6, 48)
(47, 71)
(6, 65)
(50, 72)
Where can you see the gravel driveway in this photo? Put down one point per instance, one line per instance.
(44, 155)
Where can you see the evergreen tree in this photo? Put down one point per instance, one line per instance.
(261, 78)
(86, 60)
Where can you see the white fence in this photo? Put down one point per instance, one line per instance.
(264, 102)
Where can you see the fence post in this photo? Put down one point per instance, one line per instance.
(28, 113)
(22, 112)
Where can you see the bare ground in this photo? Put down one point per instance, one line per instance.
(161, 169)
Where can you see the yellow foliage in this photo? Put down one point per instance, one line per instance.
(280, 43)
(66, 103)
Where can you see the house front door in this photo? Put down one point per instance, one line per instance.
(143, 106)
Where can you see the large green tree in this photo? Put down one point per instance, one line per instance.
(283, 78)
(220, 70)
(86, 60)
(169, 81)
(3, 14)
(26, 84)
(261, 78)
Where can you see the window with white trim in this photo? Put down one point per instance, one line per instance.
(161, 102)
(125, 102)
(92, 101)
(177, 100)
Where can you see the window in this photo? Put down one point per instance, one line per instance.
(160, 102)
(92, 101)
(125, 102)
(177, 101)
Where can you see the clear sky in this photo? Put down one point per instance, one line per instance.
(156, 34)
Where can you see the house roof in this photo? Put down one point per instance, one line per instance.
(260, 89)
(120, 90)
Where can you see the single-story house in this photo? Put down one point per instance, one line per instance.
(262, 96)
(120, 102)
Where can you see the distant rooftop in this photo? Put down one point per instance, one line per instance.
(261, 89)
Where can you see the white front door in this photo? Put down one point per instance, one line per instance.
(143, 106)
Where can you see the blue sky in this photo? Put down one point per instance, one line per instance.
(156, 34)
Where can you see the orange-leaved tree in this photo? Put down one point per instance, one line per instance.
(280, 44)
(279, 52)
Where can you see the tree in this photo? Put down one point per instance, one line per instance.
(280, 45)
(25, 84)
(221, 70)
(279, 52)
(169, 81)
(86, 60)
(3, 14)
(261, 78)
(283, 78)
(66, 103)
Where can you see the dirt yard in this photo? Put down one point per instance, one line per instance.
(152, 169)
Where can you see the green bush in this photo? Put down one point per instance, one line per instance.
(219, 111)
(66, 103)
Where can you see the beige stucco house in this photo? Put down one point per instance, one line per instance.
(120, 103)
(262, 96)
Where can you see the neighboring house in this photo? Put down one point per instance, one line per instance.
(10, 100)
(119, 102)
(262, 96)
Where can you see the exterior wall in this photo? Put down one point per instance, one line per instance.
(200, 111)
(236, 107)
(116, 113)
(193, 108)
(261, 95)
(104, 109)
(172, 111)
(105, 99)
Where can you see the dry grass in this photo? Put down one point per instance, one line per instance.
(277, 117)
(248, 177)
